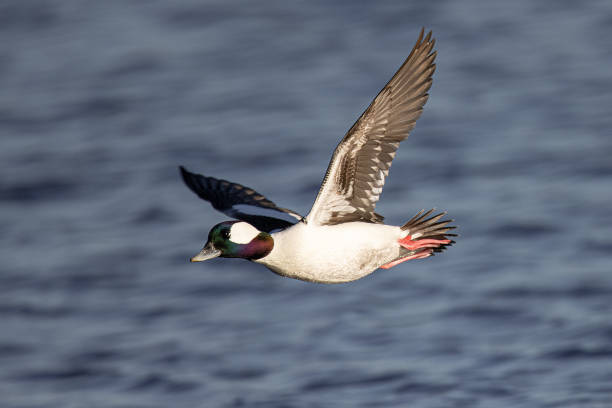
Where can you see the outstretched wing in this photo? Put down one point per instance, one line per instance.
(238, 201)
(357, 170)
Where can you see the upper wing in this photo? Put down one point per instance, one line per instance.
(357, 170)
(231, 199)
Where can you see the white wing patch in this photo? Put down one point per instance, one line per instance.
(264, 212)
(243, 233)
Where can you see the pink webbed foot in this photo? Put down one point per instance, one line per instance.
(420, 255)
(413, 245)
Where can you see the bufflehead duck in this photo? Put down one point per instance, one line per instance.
(342, 239)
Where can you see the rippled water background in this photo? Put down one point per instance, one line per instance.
(101, 101)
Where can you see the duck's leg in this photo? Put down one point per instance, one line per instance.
(421, 254)
(416, 244)
(419, 249)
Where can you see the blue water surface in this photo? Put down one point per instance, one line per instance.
(101, 101)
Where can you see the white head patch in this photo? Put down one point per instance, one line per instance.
(242, 233)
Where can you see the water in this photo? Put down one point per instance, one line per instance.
(101, 101)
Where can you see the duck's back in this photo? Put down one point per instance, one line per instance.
(332, 253)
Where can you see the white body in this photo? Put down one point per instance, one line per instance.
(333, 253)
(329, 246)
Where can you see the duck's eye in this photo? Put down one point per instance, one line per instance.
(225, 234)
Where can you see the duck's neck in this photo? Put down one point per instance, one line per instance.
(259, 247)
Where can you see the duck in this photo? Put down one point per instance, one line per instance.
(342, 238)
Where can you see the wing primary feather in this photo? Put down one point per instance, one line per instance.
(225, 196)
(361, 161)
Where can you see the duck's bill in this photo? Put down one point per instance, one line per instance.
(208, 252)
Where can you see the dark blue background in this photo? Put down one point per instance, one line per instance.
(101, 101)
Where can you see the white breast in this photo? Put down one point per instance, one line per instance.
(338, 253)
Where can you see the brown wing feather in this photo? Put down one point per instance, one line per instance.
(356, 173)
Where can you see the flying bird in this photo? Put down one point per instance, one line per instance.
(342, 238)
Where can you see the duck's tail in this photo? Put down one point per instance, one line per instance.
(425, 236)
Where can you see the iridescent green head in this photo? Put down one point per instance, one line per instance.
(235, 239)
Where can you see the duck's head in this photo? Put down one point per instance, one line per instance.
(235, 239)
